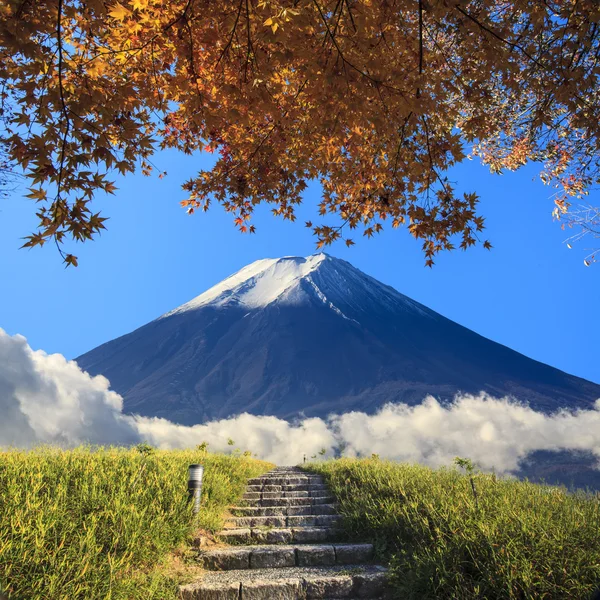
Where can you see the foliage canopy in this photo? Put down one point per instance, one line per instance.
(375, 99)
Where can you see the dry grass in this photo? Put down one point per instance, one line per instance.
(514, 540)
(107, 523)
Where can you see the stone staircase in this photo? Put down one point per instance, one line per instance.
(284, 545)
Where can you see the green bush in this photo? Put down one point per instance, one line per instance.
(445, 537)
(95, 523)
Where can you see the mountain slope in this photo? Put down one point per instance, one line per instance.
(310, 336)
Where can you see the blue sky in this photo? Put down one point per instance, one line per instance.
(530, 292)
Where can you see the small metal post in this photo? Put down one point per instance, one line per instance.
(305, 459)
(195, 473)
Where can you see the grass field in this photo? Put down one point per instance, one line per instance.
(504, 539)
(89, 525)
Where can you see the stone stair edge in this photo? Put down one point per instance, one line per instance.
(275, 535)
(286, 479)
(251, 547)
(278, 502)
(271, 556)
(265, 529)
(282, 521)
(285, 573)
(307, 510)
(284, 555)
(356, 581)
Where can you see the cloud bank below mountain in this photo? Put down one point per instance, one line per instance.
(46, 399)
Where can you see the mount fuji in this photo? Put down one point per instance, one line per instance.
(311, 336)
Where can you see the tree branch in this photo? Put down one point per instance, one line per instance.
(228, 44)
(420, 44)
(513, 45)
(64, 111)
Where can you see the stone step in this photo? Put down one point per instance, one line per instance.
(296, 555)
(283, 511)
(292, 498)
(283, 521)
(311, 583)
(276, 535)
(285, 480)
(296, 475)
(276, 502)
(286, 468)
(288, 474)
(295, 487)
(287, 501)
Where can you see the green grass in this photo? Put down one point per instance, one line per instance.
(518, 540)
(100, 524)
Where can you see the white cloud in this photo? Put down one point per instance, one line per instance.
(269, 437)
(47, 399)
(496, 433)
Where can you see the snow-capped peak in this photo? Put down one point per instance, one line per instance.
(329, 280)
(257, 284)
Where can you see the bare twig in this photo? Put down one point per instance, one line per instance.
(228, 44)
